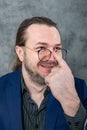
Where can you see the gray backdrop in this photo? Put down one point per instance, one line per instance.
(71, 17)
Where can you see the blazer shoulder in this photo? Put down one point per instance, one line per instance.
(10, 74)
(78, 79)
(81, 89)
(9, 77)
(79, 83)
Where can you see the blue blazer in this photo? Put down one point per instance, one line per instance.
(11, 104)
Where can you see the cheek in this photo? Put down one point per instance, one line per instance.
(31, 56)
(59, 55)
(31, 60)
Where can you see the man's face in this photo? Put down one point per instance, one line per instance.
(40, 37)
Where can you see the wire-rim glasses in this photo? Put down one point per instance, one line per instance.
(45, 54)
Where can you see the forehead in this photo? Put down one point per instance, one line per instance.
(37, 33)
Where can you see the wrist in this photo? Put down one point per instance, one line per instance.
(70, 106)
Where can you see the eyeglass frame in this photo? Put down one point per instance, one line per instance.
(46, 49)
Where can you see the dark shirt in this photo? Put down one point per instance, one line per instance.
(34, 117)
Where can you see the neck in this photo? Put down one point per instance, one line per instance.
(36, 91)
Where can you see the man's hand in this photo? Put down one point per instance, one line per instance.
(61, 83)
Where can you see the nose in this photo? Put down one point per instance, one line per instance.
(52, 58)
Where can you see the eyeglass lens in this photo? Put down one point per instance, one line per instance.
(45, 55)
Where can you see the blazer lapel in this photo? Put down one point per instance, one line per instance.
(51, 114)
(14, 102)
(54, 119)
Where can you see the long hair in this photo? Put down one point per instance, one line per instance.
(20, 36)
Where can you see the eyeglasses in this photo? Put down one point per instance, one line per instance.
(45, 54)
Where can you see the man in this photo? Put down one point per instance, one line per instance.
(41, 93)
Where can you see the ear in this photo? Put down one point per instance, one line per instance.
(20, 53)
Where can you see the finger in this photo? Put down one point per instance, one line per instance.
(60, 60)
(47, 80)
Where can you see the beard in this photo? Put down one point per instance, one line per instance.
(35, 77)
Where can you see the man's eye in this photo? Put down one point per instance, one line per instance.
(41, 48)
(57, 49)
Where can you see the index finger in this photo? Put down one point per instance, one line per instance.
(60, 60)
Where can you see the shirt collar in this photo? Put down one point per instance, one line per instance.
(24, 88)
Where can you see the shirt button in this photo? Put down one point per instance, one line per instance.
(69, 122)
(36, 126)
(77, 123)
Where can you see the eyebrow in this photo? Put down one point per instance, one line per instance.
(46, 44)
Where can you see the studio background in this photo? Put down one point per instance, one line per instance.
(70, 16)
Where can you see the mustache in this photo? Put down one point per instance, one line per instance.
(52, 63)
